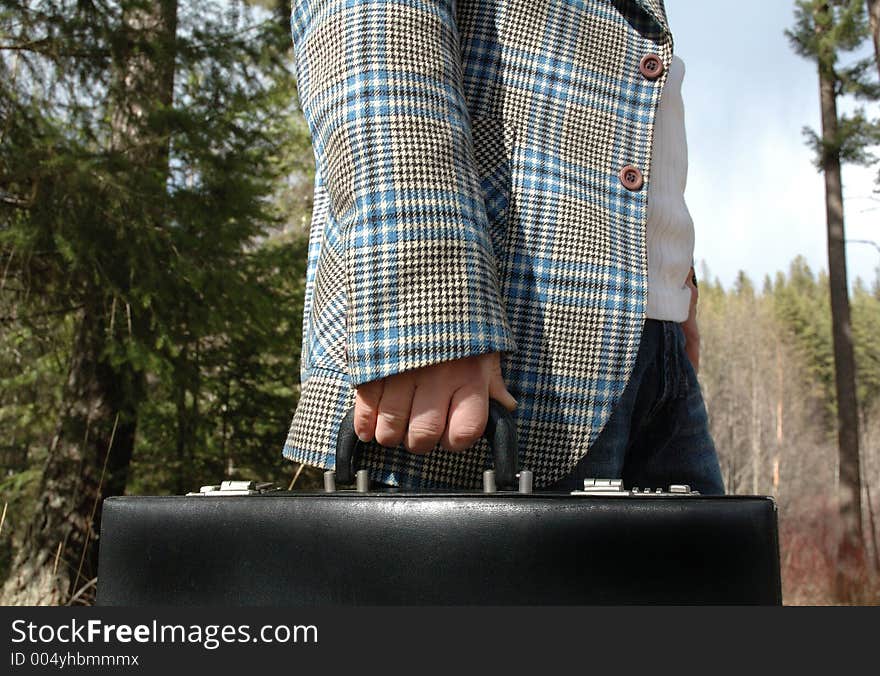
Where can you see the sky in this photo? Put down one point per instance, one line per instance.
(756, 199)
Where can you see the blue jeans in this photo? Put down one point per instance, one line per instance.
(658, 434)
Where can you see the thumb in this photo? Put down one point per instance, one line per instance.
(498, 388)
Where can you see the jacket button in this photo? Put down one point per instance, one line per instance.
(631, 178)
(651, 66)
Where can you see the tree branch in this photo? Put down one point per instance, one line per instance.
(9, 319)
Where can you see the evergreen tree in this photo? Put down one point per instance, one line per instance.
(801, 302)
(866, 338)
(824, 30)
(142, 144)
(874, 25)
(767, 376)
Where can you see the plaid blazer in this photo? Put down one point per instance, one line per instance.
(477, 189)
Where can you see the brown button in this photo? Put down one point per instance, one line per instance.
(651, 66)
(631, 178)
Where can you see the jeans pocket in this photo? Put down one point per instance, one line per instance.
(671, 375)
(681, 369)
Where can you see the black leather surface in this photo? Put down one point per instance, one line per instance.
(447, 549)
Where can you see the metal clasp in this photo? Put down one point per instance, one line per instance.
(614, 488)
(227, 488)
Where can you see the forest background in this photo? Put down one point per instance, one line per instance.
(155, 194)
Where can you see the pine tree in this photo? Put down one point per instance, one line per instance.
(874, 24)
(138, 160)
(802, 303)
(866, 336)
(824, 30)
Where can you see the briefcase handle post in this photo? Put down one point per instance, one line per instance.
(500, 433)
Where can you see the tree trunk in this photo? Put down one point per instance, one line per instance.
(144, 83)
(850, 565)
(874, 22)
(89, 456)
(284, 11)
(755, 426)
(780, 398)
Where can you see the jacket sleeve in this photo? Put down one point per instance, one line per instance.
(380, 85)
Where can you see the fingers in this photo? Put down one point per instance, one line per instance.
(445, 403)
(394, 409)
(468, 415)
(498, 389)
(366, 408)
(428, 418)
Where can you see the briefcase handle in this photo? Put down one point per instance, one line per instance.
(500, 433)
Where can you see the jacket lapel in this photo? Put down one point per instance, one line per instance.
(656, 12)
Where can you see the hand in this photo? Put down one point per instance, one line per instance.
(446, 402)
(691, 332)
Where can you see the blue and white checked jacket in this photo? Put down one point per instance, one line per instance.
(468, 199)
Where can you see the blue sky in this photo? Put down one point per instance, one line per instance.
(755, 197)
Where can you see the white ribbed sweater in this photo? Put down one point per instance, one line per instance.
(670, 229)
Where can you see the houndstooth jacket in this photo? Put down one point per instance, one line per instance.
(481, 183)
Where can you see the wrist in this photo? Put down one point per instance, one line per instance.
(691, 331)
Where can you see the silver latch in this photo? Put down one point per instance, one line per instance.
(609, 487)
(614, 488)
(227, 488)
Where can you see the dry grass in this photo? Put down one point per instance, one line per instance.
(808, 544)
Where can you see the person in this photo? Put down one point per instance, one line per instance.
(499, 214)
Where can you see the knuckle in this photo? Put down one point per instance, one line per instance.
(363, 418)
(389, 438)
(365, 400)
(464, 435)
(393, 419)
(369, 393)
(423, 436)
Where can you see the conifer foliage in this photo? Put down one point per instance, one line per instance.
(143, 146)
(825, 31)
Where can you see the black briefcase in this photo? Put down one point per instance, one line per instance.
(242, 544)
